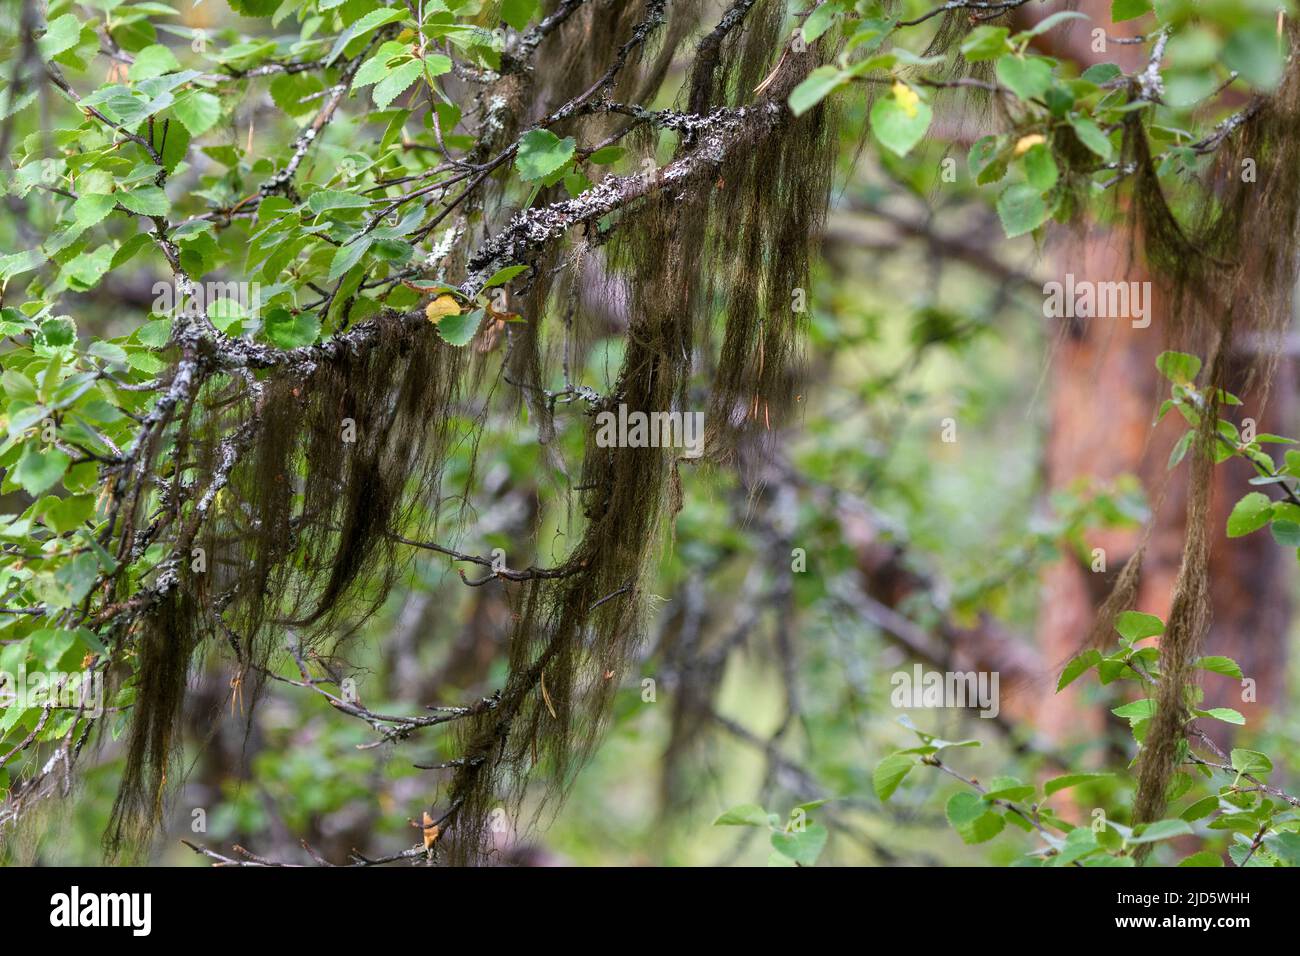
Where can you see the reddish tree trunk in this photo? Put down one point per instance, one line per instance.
(1105, 391)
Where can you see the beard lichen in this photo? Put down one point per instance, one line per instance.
(303, 540)
(1230, 267)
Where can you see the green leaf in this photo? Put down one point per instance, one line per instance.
(1135, 625)
(1040, 167)
(1009, 788)
(37, 471)
(19, 386)
(68, 514)
(575, 183)
(1181, 783)
(198, 111)
(984, 160)
(146, 201)
(1225, 714)
(1254, 52)
(1100, 73)
(73, 581)
(326, 199)
(971, 817)
(1249, 514)
(1064, 782)
(1285, 846)
(502, 276)
(1136, 710)
(83, 271)
(607, 155)
(371, 21)
(1286, 533)
(1021, 209)
(436, 64)
(91, 208)
(20, 262)
(382, 62)
(889, 773)
(1077, 667)
(802, 847)
(901, 120)
(518, 13)
(542, 153)
(153, 60)
(1080, 842)
(1027, 77)
(1202, 858)
(106, 562)
(263, 8)
(1219, 665)
(1181, 368)
(459, 329)
(1091, 136)
(1181, 448)
(816, 87)
(154, 334)
(62, 34)
(1201, 808)
(818, 22)
(396, 83)
(288, 331)
(1121, 10)
(1160, 830)
(109, 352)
(1250, 761)
(808, 807)
(985, 43)
(349, 255)
(49, 644)
(743, 815)
(1045, 24)
(127, 250)
(58, 332)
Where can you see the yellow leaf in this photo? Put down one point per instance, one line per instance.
(907, 98)
(431, 831)
(443, 305)
(1026, 143)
